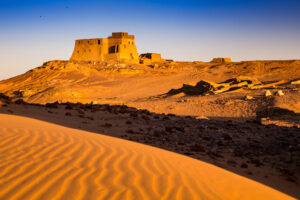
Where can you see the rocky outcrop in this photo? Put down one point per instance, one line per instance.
(4, 100)
(209, 88)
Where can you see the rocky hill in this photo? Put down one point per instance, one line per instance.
(147, 86)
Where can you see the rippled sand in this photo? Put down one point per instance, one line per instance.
(39, 160)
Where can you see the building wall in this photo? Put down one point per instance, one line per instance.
(221, 60)
(120, 46)
(150, 57)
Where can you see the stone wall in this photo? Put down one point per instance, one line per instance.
(120, 46)
(150, 57)
(221, 60)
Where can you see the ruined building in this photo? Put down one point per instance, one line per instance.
(150, 58)
(118, 47)
(221, 60)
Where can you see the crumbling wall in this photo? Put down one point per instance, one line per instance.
(150, 57)
(221, 60)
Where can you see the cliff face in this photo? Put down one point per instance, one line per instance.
(119, 47)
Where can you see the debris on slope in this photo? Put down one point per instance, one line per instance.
(201, 88)
(204, 88)
(208, 88)
(4, 100)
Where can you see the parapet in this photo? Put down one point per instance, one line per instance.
(121, 35)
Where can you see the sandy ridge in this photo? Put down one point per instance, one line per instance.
(40, 160)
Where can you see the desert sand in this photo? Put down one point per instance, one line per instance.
(240, 116)
(249, 148)
(40, 160)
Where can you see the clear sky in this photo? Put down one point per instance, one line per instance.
(35, 31)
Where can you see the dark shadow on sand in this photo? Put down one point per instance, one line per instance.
(231, 144)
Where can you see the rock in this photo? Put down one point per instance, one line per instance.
(188, 153)
(3, 96)
(249, 173)
(106, 125)
(197, 148)
(288, 172)
(133, 114)
(156, 117)
(18, 93)
(297, 82)
(181, 129)
(227, 137)
(248, 97)
(51, 105)
(214, 154)
(69, 107)
(80, 112)
(244, 165)
(169, 129)
(279, 93)
(268, 93)
(231, 162)
(90, 118)
(130, 131)
(257, 162)
(202, 117)
(201, 88)
(145, 117)
(19, 101)
(68, 114)
(238, 152)
(165, 118)
(158, 133)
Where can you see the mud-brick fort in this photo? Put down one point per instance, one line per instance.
(120, 46)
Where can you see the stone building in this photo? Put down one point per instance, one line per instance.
(150, 58)
(118, 47)
(221, 60)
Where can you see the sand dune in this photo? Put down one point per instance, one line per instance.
(40, 160)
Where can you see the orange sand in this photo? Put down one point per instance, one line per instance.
(40, 160)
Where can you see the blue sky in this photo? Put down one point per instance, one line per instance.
(34, 31)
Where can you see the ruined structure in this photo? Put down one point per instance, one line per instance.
(118, 47)
(221, 60)
(150, 57)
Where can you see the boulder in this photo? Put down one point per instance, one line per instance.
(248, 97)
(279, 93)
(268, 93)
(201, 88)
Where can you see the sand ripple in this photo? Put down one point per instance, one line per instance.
(40, 160)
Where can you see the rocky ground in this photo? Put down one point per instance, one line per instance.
(241, 116)
(269, 154)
